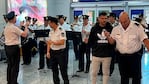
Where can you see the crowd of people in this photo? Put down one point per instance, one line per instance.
(110, 40)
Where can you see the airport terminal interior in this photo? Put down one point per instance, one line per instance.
(31, 74)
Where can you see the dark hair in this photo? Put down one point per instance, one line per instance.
(112, 15)
(103, 14)
(53, 19)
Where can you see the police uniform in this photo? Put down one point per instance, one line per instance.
(76, 29)
(84, 47)
(129, 44)
(33, 27)
(43, 47)
(12, 35)
(26, 45)
(65, 27)
(58, 54)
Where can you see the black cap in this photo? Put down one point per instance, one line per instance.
(65, 18)
(34, 19)
(112, 15)
(141, 15)
(75, 16)
(53, 19)
(85, 16)
(27, 18)
(46, 18)
(10, 15)
(4, 16)
(60, 16)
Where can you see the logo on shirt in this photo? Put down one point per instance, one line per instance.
(102, 38)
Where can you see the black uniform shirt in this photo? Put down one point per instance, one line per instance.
(98, 42)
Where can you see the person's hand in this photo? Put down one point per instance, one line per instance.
(107, 34)
(27, 23)
(86, 40)
(83, 31)
(48, 55)
(22, 23)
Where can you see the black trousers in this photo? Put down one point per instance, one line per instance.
(130, 67)
(58, 58)
(42, 51)
(84, 49)
(26, 51)
(67, 52)
(13, 54)
(76, 43)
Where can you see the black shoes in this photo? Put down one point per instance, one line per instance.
(40, 68)
(86, 71)
(80, 70)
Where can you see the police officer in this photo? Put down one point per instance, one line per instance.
(43, 46)
(12, 35)
(56, 51)
(26, 45)
(76, 28)
(34, 26)
(65, 27)
(84, 47)
(128, 38)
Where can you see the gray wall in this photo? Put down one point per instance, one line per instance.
(3, 9)
(59, 7)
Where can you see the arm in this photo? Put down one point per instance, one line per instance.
(109, 38)
(48, 49)
(25, 32)
(59, 42)
(146, 43)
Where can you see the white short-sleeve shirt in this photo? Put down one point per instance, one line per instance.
(12, 34)
(130, 40)
(58, 34)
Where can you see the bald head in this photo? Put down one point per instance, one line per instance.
(124, 19)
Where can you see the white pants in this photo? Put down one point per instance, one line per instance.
(95, 66)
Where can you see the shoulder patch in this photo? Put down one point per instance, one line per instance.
(60, 28)
(137, 24)
(62, 34)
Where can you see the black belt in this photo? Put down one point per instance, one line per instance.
(12, 45)
(135, 53)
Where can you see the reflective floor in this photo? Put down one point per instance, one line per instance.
(30, 75)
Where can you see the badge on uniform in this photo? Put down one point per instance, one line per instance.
(62, 34)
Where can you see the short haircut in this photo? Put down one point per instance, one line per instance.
(103, 14)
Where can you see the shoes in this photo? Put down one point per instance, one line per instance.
(80, 70)
(40, 68)
(5, 62)
(86, 71)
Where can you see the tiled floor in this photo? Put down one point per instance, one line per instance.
(30, 75)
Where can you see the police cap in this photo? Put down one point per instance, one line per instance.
(75, 17)
(85, 16)
(53, 19)
(46, 18)
(27, 18)
(60, 16)
(4, 16)
(34, 19)
(10, 15)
